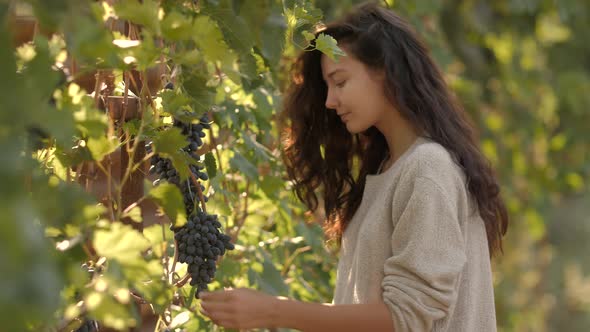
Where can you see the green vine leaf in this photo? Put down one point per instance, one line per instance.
(101, 146)
(168, 142)
(176, 26)
(120, 242)
(244, 166)
(206, 33)
(169, 198)
(211, 165)
(234, 28)
(145, 13)
(195, 85)
(329, 46)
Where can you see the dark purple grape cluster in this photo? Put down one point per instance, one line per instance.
(194, 133)
(199, 242)
(166, 172)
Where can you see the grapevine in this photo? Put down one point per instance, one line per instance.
(200, 242)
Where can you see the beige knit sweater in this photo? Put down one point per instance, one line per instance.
(418, 244)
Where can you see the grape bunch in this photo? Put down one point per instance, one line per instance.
(165, 170)
(199, 242)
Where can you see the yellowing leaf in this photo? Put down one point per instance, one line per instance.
(126, 43)
(156, 238)
(308, 35)
(180, 319)
(101, 146)
(134, 214)
(575, 181)
(72, 311)
(489, 149)
(176, 26)
(109, 312)
(121, 242)
(494, 122)
(169, 198)
(536, 225)
(558, 142)
(145, 13)
(550, 30)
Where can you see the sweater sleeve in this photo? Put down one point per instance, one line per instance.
(428, 255)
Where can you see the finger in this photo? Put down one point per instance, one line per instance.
(221, 319)
(205, 312)
(216, 307)
(217, 296)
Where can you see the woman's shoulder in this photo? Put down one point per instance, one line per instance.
(429, 154)
(429, 159)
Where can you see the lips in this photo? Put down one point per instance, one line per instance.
(343, 116)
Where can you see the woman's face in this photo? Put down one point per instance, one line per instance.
(355, 93)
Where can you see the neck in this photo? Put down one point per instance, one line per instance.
(399, 134)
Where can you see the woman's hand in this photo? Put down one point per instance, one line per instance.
(240, 308)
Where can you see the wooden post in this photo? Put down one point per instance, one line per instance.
(123, 109)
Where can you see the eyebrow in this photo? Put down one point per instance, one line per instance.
(335, 72)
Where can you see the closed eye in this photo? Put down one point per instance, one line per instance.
(341, 84)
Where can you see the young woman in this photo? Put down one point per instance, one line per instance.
(417, 214)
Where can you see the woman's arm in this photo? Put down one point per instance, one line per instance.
(311, 317)
(246, 308)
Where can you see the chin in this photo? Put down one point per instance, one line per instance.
(355, 129)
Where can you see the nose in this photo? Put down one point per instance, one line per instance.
(331, 100)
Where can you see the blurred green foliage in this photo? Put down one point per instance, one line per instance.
(520, 68)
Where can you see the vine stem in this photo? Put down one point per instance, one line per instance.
(183, 280)
(65, 323)
(79, 171)
(130, 163)
(134, 34)
(99, 78)
(165, 251)
(199, 191)
(149, 95)
(242, 219)
(173, 268)
(138, 298)
(291, 258)
(88, 251)
(145, 159)
(68, 178)
(220, 166)
(131, 206)
(107, 173)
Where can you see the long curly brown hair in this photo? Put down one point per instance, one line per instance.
(319, 152)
